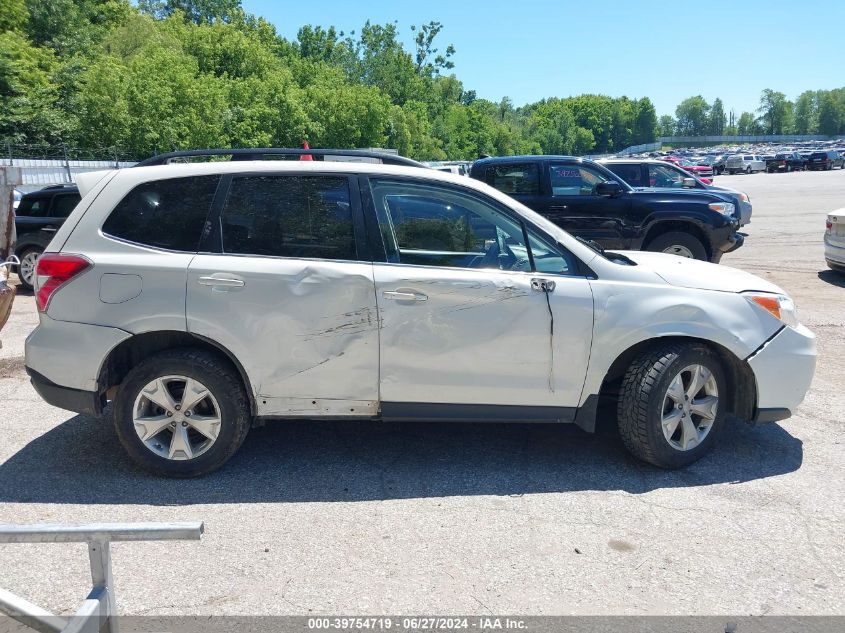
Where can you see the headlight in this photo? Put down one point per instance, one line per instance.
(726, 208)
(744, 197)
(779, 306)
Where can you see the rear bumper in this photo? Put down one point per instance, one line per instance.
(834, 254)
(783, 369)
(77, 400)
(70, 354)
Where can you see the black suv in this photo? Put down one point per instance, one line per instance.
(37, 218)
(589, 201)
(827, 159)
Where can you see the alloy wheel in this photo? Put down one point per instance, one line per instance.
(176, 417)
(690, 406)
(27, 267)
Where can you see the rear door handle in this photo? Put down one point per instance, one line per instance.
(221, 281)
(398, 295)
(49, 229)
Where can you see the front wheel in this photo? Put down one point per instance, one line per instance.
(181, 413)
(671, 405)
(680, 244)
(748, 169)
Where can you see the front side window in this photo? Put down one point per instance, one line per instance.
(167, 214)
(574, 180)
(289, 216)
(33, 207)
(665, 177)
(516, 178)
(430, 225)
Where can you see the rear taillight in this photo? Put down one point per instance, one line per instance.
(828, 226)
(53, 271)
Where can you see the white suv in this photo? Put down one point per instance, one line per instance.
(203, 297)
(744, 163)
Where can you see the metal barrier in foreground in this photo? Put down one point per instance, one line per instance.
(98, 611)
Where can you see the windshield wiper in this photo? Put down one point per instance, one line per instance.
(592, 244)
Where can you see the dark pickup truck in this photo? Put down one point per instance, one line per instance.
(786, 162)
(589, 201)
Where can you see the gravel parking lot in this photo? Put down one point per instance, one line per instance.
(366, 518)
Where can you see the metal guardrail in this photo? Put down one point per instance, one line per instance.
(98, 611)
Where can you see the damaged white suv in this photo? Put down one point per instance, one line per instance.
(202, 297)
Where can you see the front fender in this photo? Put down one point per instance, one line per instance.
(629, 313)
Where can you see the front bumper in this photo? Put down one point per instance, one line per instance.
(783, 369)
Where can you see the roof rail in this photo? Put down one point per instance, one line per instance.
(263, 153)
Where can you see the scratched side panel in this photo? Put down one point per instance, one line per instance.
(306, 331)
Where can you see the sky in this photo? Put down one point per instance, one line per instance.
(666, 50)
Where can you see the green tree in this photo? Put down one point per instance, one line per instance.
(747, 124)
(29, 108)
(645, 124)
(13, 15)
(717, 120)
(806, 113)
(692, 116)
(197, 11)
(668, 125)
(830, 113)
(775, 112)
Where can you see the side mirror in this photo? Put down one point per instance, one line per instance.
(689, 183)
(610, 188)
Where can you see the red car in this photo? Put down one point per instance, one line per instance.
(704, 172)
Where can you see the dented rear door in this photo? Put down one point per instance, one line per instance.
(284, 288)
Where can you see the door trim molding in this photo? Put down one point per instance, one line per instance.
(444, 412)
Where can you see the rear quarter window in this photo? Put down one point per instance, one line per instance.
(167, 214)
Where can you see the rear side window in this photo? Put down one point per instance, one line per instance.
(632, 174)
(63, 205)
(164, 213)
(518, 178)
(289, 216)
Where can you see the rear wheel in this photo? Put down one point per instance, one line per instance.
(748, 169)
(181, 413)
(671, 405)
(677, 243)
(26, 271)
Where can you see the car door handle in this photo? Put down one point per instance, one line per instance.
(49, 229)
(558, 207)
(398, 295)
(221, 282)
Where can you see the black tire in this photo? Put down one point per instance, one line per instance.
(218, 377)
(27, 252)
(748, 169)
(641, 402)
(675, 238)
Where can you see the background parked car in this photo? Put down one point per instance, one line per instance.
(834, 240)
(655, 173)
(16, 199)
(37, 218)
(744, 163)
(586, 199)
(827, 159)
(792, 161)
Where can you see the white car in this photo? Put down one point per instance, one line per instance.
(834, 240)
(203, 297)
(744, 163)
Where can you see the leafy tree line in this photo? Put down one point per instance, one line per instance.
(813, 112)
(171, 74)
